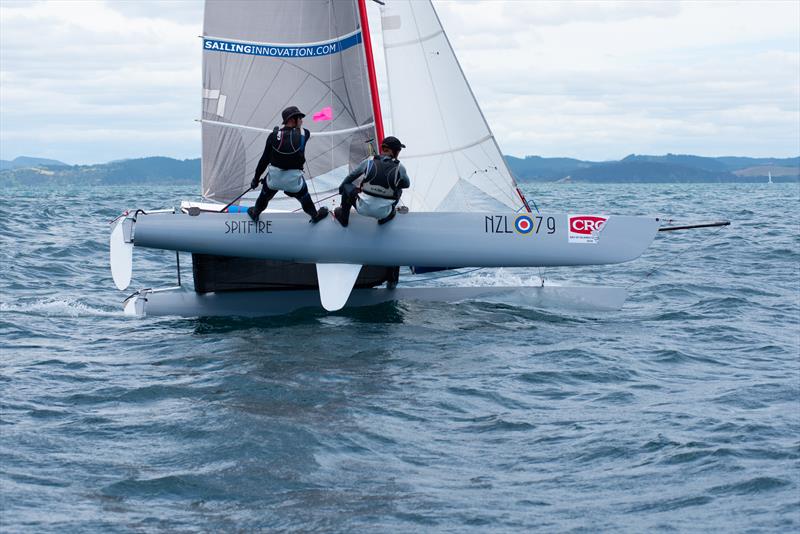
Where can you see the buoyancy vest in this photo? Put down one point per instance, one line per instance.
(288, 148)
(381, 178)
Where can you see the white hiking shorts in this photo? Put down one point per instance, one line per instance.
(289, 180)
(376, 207)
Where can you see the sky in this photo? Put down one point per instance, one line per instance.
(94, 81)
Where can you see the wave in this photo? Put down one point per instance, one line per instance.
(57, 307)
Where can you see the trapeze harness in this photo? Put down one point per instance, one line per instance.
(287, 151)
(381, 179)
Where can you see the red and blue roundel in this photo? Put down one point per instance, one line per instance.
(523, 224)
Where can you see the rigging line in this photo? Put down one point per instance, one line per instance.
(488, 176)
(464, 197)
(314, 76)
(264, 94)
(308, 75)
(430, 76)
(288, 100)
(244, 84)
(424, 196)
(436, 93)
(313, 183)
(685, 249)
(486, 172)
(318, 201)
(337, 145)
(472, 93)
(512, 196)
(222, 66)
(275, 116)
(459, 179)
(513, 200)
(448, 275)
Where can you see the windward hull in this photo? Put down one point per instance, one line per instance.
(424, 239)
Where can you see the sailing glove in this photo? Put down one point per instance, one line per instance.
(254, 183)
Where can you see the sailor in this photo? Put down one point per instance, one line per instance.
(383, 182)
(285, 156)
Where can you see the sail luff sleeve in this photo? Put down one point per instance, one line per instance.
(373, 79)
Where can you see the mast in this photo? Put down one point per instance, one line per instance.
(373, 80)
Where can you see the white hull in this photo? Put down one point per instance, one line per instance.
(182, 302)
(425, 239)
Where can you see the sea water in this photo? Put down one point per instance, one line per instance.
(679, 412)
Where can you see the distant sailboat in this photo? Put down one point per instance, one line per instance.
(770, 177)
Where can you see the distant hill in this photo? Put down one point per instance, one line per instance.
(644, 171)
(154, 170)
(680, 160)
(25, 161)
(735, 163)
(631, 169)
(652, 169)
(539, 169)
(765, 170)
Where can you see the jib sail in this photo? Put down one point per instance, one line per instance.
(451, 156)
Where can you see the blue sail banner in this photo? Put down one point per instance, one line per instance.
(269, 50)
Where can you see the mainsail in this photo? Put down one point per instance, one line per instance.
(451, 156)
(260, 57)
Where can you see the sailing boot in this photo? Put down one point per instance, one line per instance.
(388, 217)
(308, 206)
(321, 214)
(342, 214)
(261, 203)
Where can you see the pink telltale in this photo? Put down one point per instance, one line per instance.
(325, 114)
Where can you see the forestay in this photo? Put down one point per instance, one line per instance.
(451, 155)
(260, 57)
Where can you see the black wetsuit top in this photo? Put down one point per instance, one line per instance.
(285, 149)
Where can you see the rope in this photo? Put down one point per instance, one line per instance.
(671, 259)
(318, 201)
(448, 275)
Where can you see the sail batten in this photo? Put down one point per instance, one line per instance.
(323, 133)
(415, 41)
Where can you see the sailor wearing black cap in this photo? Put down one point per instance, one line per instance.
(285, 156)
(383, 182)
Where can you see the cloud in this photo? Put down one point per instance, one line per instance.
(601, 80)
(103, 68)
(176, 10)
(595, 80)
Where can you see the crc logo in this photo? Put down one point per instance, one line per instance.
(586, 224)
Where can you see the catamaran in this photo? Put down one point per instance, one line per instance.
(464, 208)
